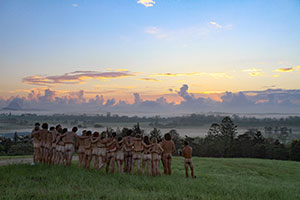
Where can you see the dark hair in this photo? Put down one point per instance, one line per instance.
(45, 126)
(129, 132)
(60, 130)
(96, 134)
(74, 129)
(65, 130)
(113, 134)
(168, 136)
(186, 143)
(52, 128)
(146, 140)
(37, 124)
(119, 138)
(88, 133)
(58, 126)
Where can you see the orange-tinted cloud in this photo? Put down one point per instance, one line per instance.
(77, 77)
(288, 69)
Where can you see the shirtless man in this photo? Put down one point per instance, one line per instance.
(53, 150)
(87, 150)
(80, 145)
(43, 135)
(36, 142)
(155, 149)
(69, 141)
(101, 145)
(169, 147)
(95, 153)
(48, 146)
(128, 148)
(60, 145)
(120, 154)
(187, 154)
(146, 155)
(137, 153)
(111, 148)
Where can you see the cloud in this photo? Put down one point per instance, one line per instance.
(76, 77)
(288, 69)
(156, 32)
(254, 72)
(75, 5)
(214, 75)
(215, 24)
(261, 101)
(149, 79)
(146, 3)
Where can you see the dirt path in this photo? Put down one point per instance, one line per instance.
(13, 161)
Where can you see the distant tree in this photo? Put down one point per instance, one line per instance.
(214, 130)
(295, 150)
(228, 132)
(156, 133)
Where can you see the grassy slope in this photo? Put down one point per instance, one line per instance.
(216, 179)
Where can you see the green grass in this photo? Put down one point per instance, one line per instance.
(216, 179)
(13, 157)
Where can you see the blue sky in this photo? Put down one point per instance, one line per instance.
(232, 45)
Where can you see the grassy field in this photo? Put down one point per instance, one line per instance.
(216, 179)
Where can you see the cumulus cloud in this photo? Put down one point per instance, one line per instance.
(137, 98)
(76, 77)
(146, 3)
(269, 100)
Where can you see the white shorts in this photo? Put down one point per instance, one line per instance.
(80, 149)
(61, 148)
(137, 155)
(155, 156)
(147, 156)
(69, 147)
(120, 155)
(36, 145)
(102, 152)
(94, 151)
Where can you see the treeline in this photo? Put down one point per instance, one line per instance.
(18, 145)
(156, 121)
(223, 141)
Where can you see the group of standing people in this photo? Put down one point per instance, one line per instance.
(57, 146)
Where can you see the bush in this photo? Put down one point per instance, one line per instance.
(20, 149)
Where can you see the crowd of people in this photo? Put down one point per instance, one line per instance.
(57, 146)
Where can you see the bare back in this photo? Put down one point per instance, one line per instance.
(187, 152)
(168, 146)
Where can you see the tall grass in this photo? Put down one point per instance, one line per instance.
(216, 179)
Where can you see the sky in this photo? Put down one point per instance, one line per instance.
(115, 49)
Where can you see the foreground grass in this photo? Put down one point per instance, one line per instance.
(15, 157)
(216, 179)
